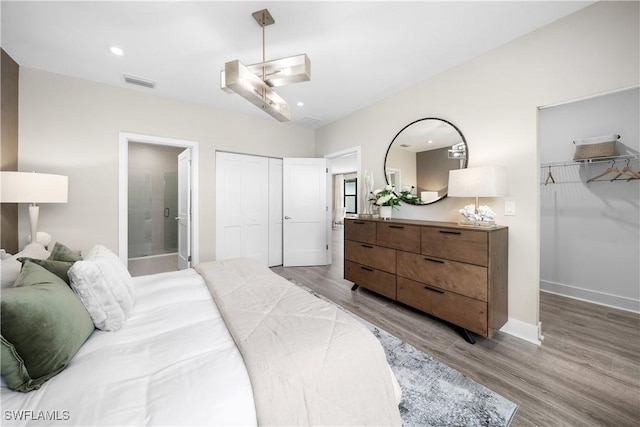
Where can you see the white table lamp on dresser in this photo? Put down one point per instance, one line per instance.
(485, 181)
(33, 188)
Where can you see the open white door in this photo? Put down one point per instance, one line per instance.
(305, 212)
(184, 209)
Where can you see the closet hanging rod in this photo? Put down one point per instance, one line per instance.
(588, 161)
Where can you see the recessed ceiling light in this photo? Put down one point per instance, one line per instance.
(116, 50)
(300, 104)
(430, 142)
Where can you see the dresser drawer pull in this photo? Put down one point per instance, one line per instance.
(367, 246)
(358, 222)
(366, 268)
(396, 226)
(434, 260)
(438, 291)
(450, 232)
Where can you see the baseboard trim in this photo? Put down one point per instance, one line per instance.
(588, 295)
(523, 330)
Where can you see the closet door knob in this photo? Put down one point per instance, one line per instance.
(287, 217)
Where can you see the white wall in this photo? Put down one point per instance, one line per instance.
(70, 126)
(493, 100)
(590, 232)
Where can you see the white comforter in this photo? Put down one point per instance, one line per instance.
(173, 363)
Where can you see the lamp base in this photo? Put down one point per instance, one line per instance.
(470, 223)
(34, 210)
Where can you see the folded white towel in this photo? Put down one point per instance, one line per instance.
(596, 139)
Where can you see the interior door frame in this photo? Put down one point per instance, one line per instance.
(124, 139)
(357, 150)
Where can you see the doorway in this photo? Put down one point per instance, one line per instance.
(345, 165)
(152, 194)
(153, 201)
(589, 211)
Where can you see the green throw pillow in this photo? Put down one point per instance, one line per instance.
(43, 325)
(59, 268)
(62, 253)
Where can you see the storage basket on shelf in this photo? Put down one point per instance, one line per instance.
(596, 147)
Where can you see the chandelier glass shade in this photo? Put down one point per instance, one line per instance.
(255, 82)
(245, 83)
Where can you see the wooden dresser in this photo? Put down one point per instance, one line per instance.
(455, 273)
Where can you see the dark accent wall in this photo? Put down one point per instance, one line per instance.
(9, 147)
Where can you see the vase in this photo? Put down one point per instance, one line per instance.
(385, 212)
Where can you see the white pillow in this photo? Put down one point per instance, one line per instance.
(104, 286)
(10, 267)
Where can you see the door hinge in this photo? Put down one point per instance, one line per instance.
(189, 258)
(327, 247)
(327, 170)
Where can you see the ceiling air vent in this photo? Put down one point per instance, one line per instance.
(308, 121)
(405, 145)
(135, 80)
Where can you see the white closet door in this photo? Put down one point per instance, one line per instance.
(275, 212)
(242, 207)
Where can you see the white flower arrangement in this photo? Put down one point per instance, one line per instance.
(385, 197)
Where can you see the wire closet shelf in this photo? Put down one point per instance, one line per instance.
(589, 161)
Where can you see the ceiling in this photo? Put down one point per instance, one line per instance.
(360, 51)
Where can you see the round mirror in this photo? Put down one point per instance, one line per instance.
(421, 156)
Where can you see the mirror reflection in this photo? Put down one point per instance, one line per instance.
(421, 156)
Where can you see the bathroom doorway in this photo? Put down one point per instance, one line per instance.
(158, 178)
(153, 206)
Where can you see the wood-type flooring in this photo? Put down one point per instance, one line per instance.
(585, 373)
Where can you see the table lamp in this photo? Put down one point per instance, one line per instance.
(33, 188)
(485, 181)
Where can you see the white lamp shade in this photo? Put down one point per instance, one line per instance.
(32, 187)
(485, 181)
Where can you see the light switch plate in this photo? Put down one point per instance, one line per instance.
(510, 208)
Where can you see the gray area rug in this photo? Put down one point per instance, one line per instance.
(433, 394)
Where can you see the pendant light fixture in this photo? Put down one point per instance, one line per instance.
(255, 82)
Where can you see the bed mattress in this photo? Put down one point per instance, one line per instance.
(173, 363)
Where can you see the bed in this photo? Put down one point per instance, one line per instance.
(224, 343)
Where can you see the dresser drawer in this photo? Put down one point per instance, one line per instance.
(399, 236)
(465, 312)
(465, 279)
(370, 278)
(370, 255)
(455, 244)
(360, 231)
